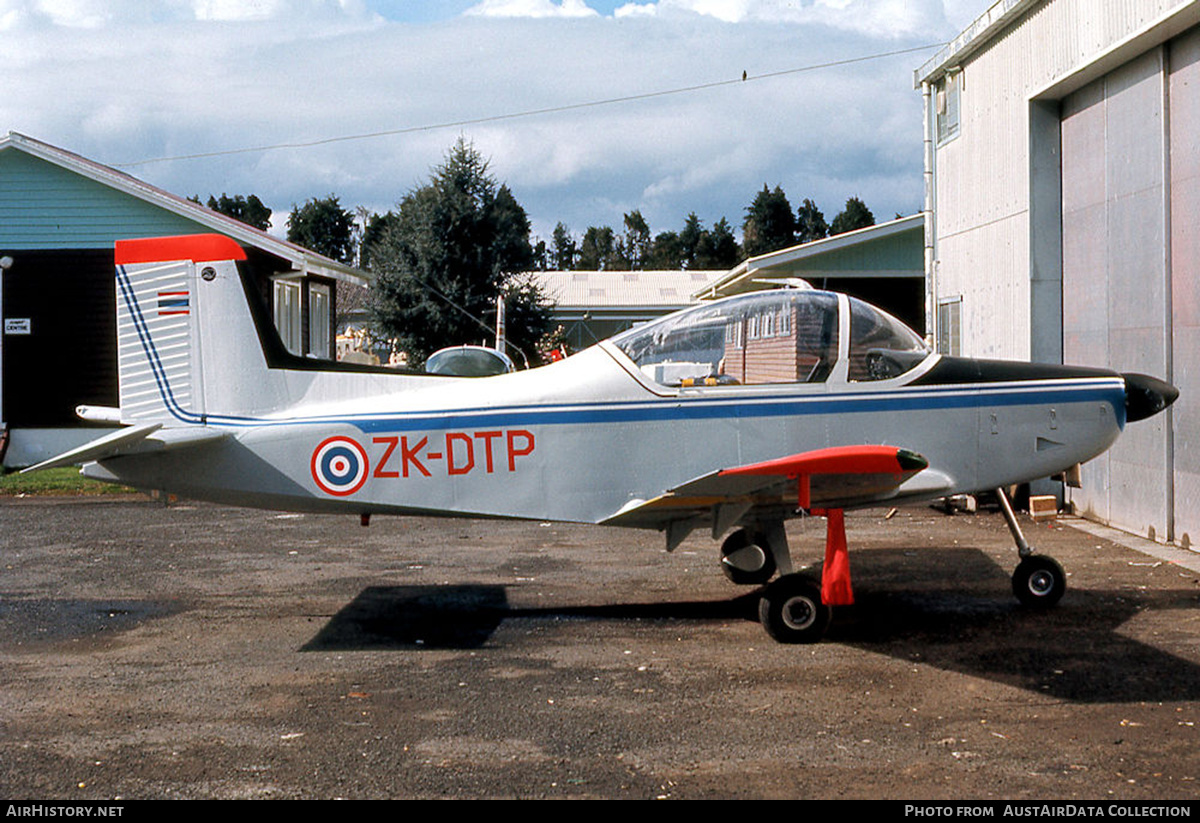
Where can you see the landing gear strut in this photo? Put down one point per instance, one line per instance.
(1039, 581)
(794, 608)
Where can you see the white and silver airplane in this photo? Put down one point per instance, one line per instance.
(735, 414)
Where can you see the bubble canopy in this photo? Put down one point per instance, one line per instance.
(773, 337)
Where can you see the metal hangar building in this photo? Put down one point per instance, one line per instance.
(1062, 178)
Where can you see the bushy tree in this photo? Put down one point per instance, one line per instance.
(457, 242)
(636, 242)
(856, 215)
(770, 224)
(249, 209)
(690, 238)
(810, 223)
(666, 252)
(322, 225)
(718, 248)
(374, 228)
(598, 251)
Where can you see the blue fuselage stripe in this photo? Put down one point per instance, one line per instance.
(740, 408)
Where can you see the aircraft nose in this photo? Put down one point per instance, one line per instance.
(1146, 396)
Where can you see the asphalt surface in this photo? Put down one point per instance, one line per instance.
(195, 651)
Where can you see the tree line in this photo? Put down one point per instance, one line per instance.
(456, 243)
(770, 224)
(324, 226)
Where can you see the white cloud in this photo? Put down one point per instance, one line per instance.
(245, 10)
(71, 13)
(531, 8)
(95, 14)
(889, 18)
(166, 84)
(636, 10)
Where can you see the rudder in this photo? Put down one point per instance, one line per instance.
(159, 329)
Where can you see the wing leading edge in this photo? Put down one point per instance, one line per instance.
(835, 477)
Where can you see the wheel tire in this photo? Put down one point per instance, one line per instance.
(792, 612)
(1039, 582)
(742, 540)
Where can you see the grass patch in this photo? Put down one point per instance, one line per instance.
(61, 481)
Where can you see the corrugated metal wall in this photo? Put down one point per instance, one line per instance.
(1184, 131)
(1113, 88)
(982, 250)
(1131, 295)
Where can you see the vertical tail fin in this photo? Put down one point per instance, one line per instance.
(180, 303)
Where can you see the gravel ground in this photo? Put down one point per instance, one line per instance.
(197, 651)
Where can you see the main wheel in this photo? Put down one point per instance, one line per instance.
(1039, 581)
(792, 612)
(746, 558)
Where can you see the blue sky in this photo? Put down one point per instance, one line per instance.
(139, 80)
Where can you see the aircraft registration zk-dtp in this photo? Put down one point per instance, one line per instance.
(735, 414)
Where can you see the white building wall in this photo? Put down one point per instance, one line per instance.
(1069, 195)
(982, 177)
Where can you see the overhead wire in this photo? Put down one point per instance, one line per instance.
(498, 118)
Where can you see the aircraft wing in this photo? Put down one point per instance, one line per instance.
(836, 477)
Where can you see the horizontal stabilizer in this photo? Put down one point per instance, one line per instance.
(105, 446)
(147, 437)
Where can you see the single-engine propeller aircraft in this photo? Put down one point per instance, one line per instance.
(731, 415)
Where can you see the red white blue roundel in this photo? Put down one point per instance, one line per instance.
(339, 466)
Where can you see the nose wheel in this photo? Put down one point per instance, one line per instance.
(1039, 581)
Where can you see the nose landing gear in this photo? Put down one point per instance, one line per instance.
(1039, 581)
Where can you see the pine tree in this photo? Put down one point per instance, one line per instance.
(770, 224)
(856, 215)
(457, 243)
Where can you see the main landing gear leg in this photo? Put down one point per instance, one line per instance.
(794, 609)
(1039, 581)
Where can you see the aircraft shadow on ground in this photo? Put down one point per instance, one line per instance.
(952, 609)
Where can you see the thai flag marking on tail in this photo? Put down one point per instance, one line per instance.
(173, 302)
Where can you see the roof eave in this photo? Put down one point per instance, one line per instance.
(302, 259)
(805, 250)
(971, 39)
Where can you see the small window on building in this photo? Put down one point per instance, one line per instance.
(319, 321)
(949, 325)
(947, 101)
(287, 315)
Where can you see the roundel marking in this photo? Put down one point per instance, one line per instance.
(339, 466)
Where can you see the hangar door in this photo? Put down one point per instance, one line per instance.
(60, 337)
(1131, 298)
